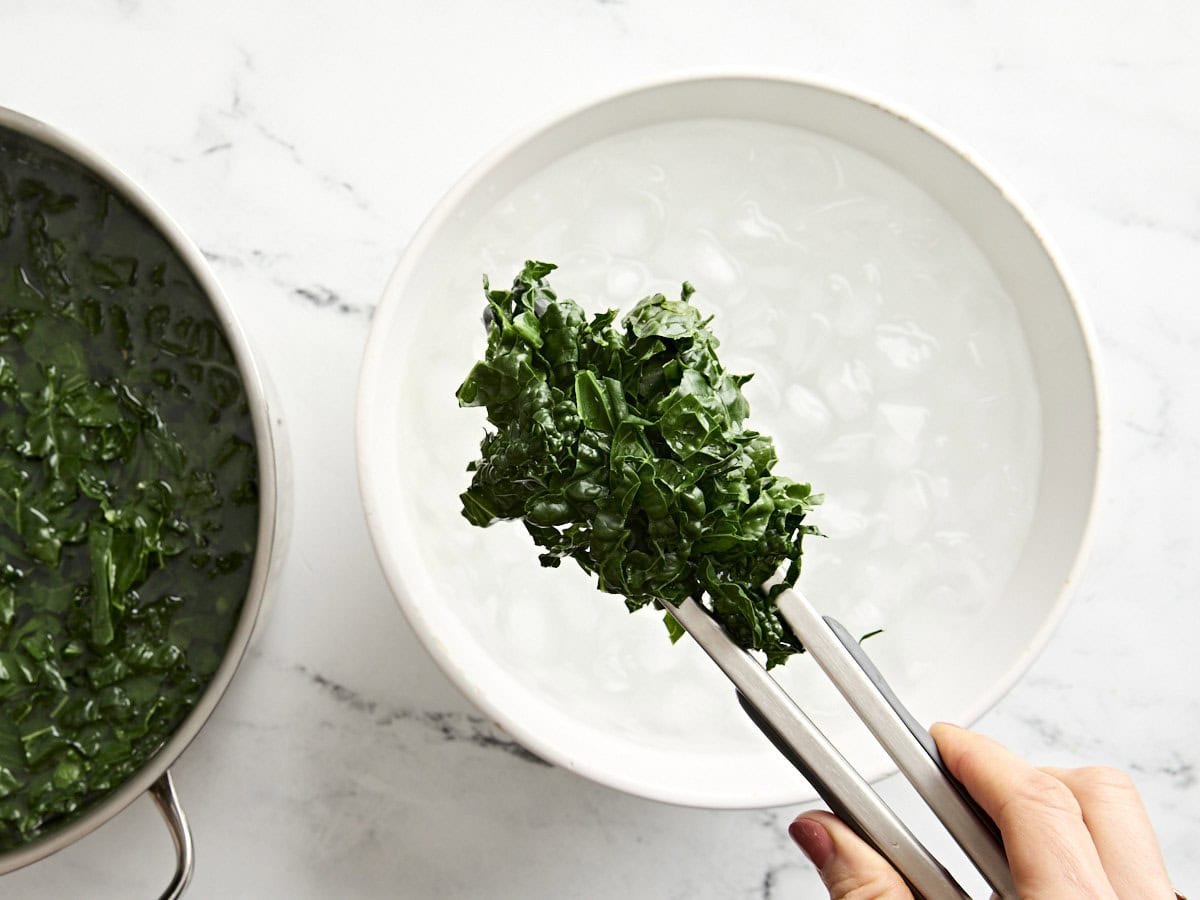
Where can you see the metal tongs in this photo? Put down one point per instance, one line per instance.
(839, 784)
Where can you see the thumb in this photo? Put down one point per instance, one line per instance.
(848, 866)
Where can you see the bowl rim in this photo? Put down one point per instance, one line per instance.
(388, 308)
(267, 450)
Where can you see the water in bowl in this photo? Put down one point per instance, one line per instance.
(889, 367)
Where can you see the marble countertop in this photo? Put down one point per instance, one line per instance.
(301, 145)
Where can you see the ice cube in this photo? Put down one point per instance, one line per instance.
(626, 282)
(841, 520)
(848, 389)
(906, 504)
(810, 417)
(855, 308)
(901, 429)
(905, 346)
(625, 223)
(856, 448)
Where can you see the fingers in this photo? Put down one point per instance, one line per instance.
(1117, 820)
(1049, 847)
(1068, 833)
(849, 868)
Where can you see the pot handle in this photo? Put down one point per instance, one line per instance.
(163, 792)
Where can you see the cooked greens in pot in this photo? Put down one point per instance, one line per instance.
(128, 490)
(623, 446)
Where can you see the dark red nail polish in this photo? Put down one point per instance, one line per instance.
(813, 839)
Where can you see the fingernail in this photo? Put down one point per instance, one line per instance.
(813, 839)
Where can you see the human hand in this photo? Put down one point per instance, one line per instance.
(1068, 833)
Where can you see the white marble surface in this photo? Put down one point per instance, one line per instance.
(301, 144)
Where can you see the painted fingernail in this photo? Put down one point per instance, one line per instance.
(813, 839)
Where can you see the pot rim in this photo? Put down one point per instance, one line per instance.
(268, 511)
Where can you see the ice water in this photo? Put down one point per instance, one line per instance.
(889, 366)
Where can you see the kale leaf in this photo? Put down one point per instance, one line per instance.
(623, 446)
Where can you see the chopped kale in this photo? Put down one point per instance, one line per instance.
(623, 446)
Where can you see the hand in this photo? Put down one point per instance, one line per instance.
(1068, 833)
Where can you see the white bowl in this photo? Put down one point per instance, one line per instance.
(565, 669)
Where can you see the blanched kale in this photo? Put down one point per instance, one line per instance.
(128, 490)
(623, 446)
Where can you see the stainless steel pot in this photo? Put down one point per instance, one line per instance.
(155, 776)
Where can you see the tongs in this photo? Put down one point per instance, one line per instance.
(845, 791)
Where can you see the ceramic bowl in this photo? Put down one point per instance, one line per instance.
(564, 668)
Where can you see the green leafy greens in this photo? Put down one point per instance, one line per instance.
(623, 446)
(128, 490)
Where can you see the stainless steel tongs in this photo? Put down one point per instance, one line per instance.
(839, 784)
